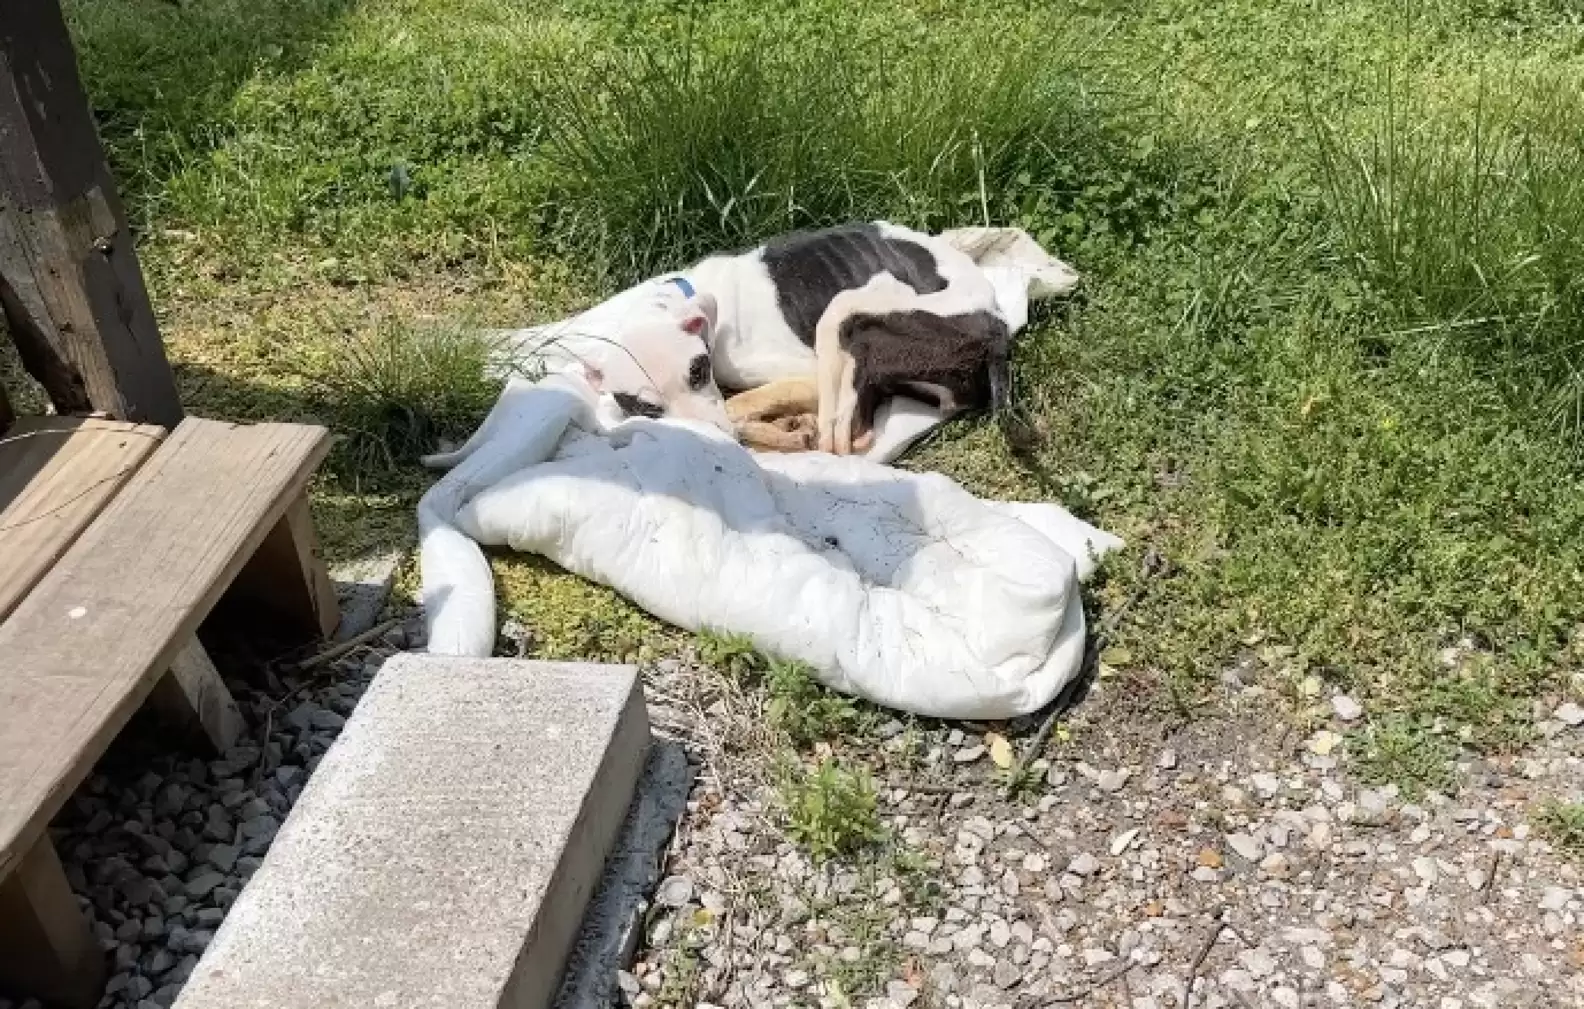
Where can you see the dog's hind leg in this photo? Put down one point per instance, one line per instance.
(764, 436)
(833, 362)
(829, 357)
(846, 405)
(755, 413)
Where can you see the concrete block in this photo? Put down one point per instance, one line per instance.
(445, 849)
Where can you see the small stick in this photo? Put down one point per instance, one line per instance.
(1490, 880)
(730, 930)
(1091, 655)
(328, 655)
(341, 648)
(1037, 744)
(922, 787)
(1204, 954)
(264, 740)
(1128, 963)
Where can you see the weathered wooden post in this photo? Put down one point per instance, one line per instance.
(70, 285)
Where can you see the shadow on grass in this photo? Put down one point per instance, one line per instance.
(360, 510)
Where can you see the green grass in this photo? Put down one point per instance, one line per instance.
(795, 704)
(732, 654)
(682, 971)
(1563, 824)
(1325, 361)
(807, 712)
(830, 808)
(1466, 222)
(569, 618)
(396, 391)
(1406, 751)
(728, 128)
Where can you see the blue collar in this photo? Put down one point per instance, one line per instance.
(682, 282)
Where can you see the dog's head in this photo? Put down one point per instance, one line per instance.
(658, 364)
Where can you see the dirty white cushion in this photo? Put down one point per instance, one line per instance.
(899, 587)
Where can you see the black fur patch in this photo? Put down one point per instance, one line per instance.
(809, 268)
(632, 406)
(904, 353)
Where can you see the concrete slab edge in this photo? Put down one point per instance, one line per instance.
(584, 854)
(613, 923)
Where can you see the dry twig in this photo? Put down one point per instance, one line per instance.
(1203, 955)
(341, 648)
(1128, 963)
(1153, 565)
(1490, 879)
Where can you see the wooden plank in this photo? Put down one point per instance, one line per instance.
(70, 284)
(56, 474)
(84, 648)
(46, 948)
(193, 696)
(288, 575)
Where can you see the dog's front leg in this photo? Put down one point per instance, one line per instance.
(785, 398)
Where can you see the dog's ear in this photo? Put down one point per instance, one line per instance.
(696, 323)
(697, 316)
(593, 376)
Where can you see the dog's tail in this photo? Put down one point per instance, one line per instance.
(1001, 376)
(1021, 434)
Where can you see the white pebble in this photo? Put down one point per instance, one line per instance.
(1346, 708)
(1247, 847)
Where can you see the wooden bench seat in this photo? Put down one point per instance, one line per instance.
(56, 475)
(113, 621)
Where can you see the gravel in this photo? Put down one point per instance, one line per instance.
(1346, 708)
(159, 842)
(1334, 891)
(674, 891)
(1246, 847)
(1106, 877)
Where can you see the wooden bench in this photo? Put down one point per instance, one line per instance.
(116, 541)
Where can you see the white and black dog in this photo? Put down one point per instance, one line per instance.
(832, 323)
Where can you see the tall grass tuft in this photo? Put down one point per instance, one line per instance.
(394, 391)
(1466, 223)
(733, 131)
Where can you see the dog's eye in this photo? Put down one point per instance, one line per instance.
(632, 406)
(699, 372)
